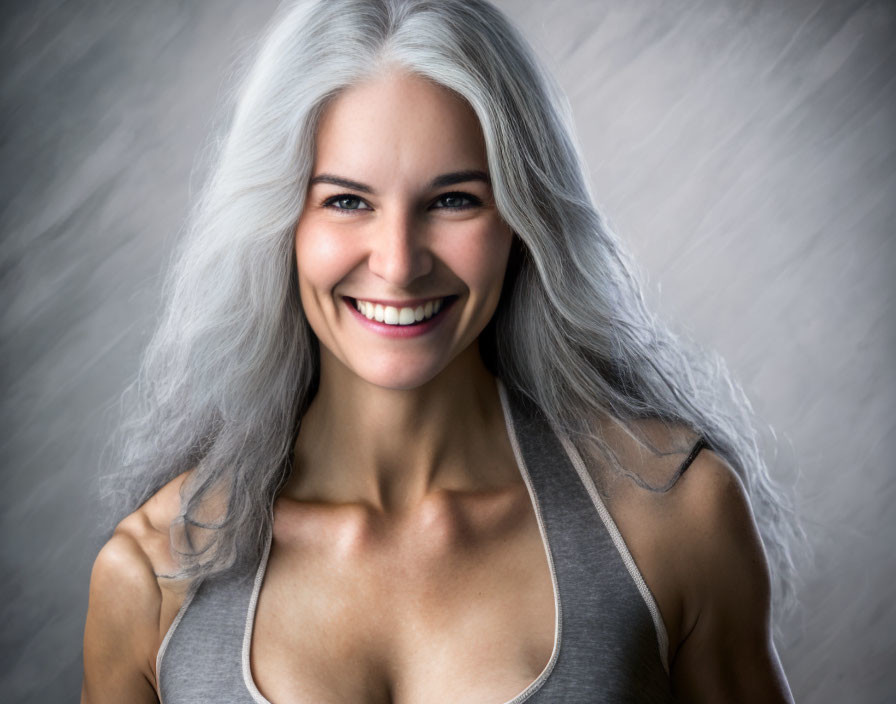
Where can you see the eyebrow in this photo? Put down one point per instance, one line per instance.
(438, 182)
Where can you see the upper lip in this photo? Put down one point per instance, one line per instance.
(408, 303)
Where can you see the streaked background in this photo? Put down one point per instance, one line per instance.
(745, 149)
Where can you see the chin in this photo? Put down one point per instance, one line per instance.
(398, 379)
(400, 382)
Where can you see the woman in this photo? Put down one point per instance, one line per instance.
(406, 431)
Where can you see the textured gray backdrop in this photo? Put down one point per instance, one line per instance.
(743, 147)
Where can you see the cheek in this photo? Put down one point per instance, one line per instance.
(485, 256)
(321, 258)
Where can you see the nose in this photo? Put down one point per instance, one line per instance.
(399, 252)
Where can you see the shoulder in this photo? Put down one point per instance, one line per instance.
(710, 491)
(139, 545)
(673, 479)
(725, 651)
(703, 535)
(695, 539)
(715, 533)
(686, 518)
(126, 599)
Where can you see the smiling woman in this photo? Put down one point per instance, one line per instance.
(413, 240)
(406, 432)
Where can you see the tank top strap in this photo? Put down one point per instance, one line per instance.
(613, 641)
(201, 659)
(610, 642)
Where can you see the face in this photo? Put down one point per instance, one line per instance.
(399, 220)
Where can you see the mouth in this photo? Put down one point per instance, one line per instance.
(402, 316)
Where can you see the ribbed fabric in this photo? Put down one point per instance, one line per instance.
(610, 643)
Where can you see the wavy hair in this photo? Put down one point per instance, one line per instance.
(233, 363)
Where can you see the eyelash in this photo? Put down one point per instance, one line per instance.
(332, 200)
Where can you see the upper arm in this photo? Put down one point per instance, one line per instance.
(121, 625)
(727, 653)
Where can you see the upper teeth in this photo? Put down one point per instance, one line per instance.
(398, 316)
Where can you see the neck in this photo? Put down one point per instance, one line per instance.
(391, 448)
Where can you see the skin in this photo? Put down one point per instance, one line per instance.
(420, 508)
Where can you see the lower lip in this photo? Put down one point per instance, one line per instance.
(414, 330)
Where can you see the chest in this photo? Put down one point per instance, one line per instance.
(463, 608)
(430, 616)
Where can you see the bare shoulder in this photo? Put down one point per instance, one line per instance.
(146, 530)
(697, 539)
(725, 652)
(710, 493)
(686, 518)
(128, 602)
(670, 478)
(712, 525)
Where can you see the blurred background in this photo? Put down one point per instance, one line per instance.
(743, 148)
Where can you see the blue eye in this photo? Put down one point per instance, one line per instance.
(456, 200)
(342, 200)
(451, 200)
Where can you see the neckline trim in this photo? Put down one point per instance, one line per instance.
(621, 547)
(533, 686)
(539, 681)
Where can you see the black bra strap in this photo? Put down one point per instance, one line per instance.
(699, 445)
(695, 450)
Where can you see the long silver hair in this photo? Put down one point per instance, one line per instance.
(233, 363)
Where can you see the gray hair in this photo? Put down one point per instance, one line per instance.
(234, 364)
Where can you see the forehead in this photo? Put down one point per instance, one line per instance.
(400, 124)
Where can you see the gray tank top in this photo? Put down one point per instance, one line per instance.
(610, 642)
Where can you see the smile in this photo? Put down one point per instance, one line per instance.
(401, 315)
